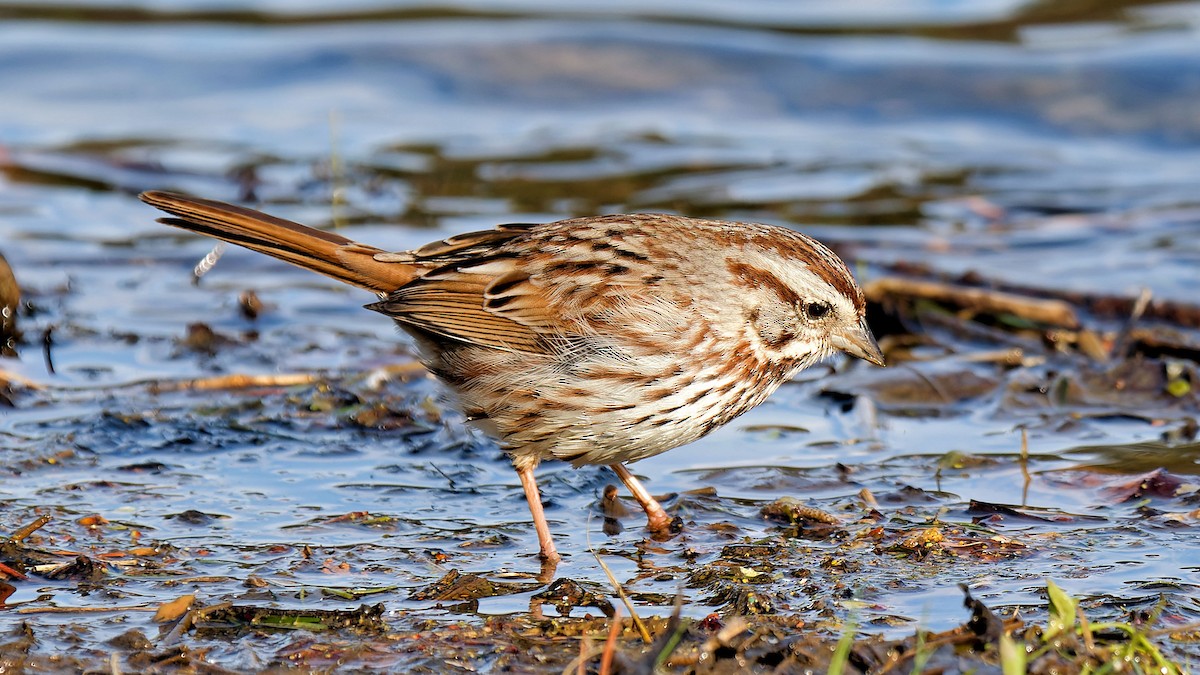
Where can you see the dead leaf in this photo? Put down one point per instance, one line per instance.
(170, 611)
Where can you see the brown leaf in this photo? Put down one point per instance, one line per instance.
(95, 520)
(170, 611)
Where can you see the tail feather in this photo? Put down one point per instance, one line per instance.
(324, 252)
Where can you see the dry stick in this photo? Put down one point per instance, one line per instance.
(1153, 337)
(1009, 357)
(637, 621)
(612, 579)
(188, 620)
(1121, 344)
(585, 646)
(9, 376)
(236, 381)
(1108, 306)
(11, 573)
(23, 533)
(610, 645)
(1051, 312)
(85, 610)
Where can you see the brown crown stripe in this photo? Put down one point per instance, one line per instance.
(821, 261)
(749, 276)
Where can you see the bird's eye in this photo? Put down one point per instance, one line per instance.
(816, 310)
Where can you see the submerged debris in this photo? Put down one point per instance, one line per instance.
(456, 586)
(790, 510)
(240, 617)
(566, 594)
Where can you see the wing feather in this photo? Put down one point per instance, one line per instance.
(505, 289)
(452, 305)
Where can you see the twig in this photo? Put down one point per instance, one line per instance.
(1124, 338)
(23, 533)
(9, 376)
(610, 645)
(85, 610)
(11, 573)
(189, 619)
(235, 381)
(1008, 357)
(1181, 314)
(585, 646)
(612, 579)
(624, 598)
(1167, 340)
(1050, 312)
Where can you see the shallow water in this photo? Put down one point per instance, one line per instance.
(1048, 151)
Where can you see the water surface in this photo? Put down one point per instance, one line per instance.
(1032, 146)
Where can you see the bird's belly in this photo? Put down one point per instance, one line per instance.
(571, 430)
(601, 411)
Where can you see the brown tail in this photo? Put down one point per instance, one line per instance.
(324, 252)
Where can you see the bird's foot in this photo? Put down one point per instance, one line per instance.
(549, 566)
(658, 521)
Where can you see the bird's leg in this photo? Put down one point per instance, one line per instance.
(546, 552)
(657, 519)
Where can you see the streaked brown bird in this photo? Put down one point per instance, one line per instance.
(600, 340)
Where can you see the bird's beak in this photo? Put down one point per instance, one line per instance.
(859, 343)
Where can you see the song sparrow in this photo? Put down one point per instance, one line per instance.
(598, 340)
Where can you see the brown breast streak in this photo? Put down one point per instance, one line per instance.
(751, 380)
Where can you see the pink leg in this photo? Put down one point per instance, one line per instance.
(657, 519)
(546, 544)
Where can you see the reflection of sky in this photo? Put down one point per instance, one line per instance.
(811, 12)
(275, 86)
